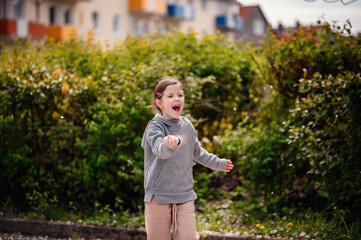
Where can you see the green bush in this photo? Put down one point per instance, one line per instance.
(302, 151)
(326, 133)
(315, 72)
(269, 169)
(325, 49)
(73, 114)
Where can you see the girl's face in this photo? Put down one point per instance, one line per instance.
(172, 102)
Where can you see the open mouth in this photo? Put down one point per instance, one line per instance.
(176, 107)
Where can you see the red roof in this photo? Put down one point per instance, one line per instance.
(245, 12)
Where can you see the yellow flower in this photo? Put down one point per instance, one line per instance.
(228, 222)
(55, 115)
(261, 227)
(335, 207)
(57, 72)
(258, 225)
(289, 224)
(289, 228)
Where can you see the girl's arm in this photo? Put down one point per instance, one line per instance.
(158, 142)
(210, 160)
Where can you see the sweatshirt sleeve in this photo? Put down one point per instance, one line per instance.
(155, 137)
(207, 159)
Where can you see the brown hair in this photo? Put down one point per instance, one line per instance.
(160, 87)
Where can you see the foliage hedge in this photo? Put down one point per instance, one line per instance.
(323, 120)
(303, 150)
(73, 114)
(287, 113)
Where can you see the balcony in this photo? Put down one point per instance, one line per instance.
(148, 6)
(60, 32)
(160, 7)
(229, 22)
(176, 11)
(238, 22)
(189, 13)
(21, 28)
(8, 27)
(36, 30)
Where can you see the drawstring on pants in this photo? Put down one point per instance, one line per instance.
(174, 220)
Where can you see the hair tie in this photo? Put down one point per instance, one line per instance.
(159, 94)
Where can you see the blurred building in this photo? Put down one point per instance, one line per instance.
(107, 21)
(255, 24)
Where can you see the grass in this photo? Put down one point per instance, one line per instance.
(227, 218)
(215, 217)
(104, 217)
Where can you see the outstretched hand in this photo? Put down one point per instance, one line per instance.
(229, 166)
(171, 140)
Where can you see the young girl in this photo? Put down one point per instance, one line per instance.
(170, 144)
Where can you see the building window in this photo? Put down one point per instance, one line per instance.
(52, 15)
(96, 22)
(140, 27)
(116, 25)
(222, 8)
(258, 27)
(4, 8)
(18, 8)
(136, 26)
(68, 16)
(235, 9)
(204, 5)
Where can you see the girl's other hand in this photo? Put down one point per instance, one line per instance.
(171, 141)
(229, 166)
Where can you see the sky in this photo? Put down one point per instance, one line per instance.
(288, 12)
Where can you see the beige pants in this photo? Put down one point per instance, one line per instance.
(158, 221)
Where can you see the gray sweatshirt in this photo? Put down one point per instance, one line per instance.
(168, 171)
